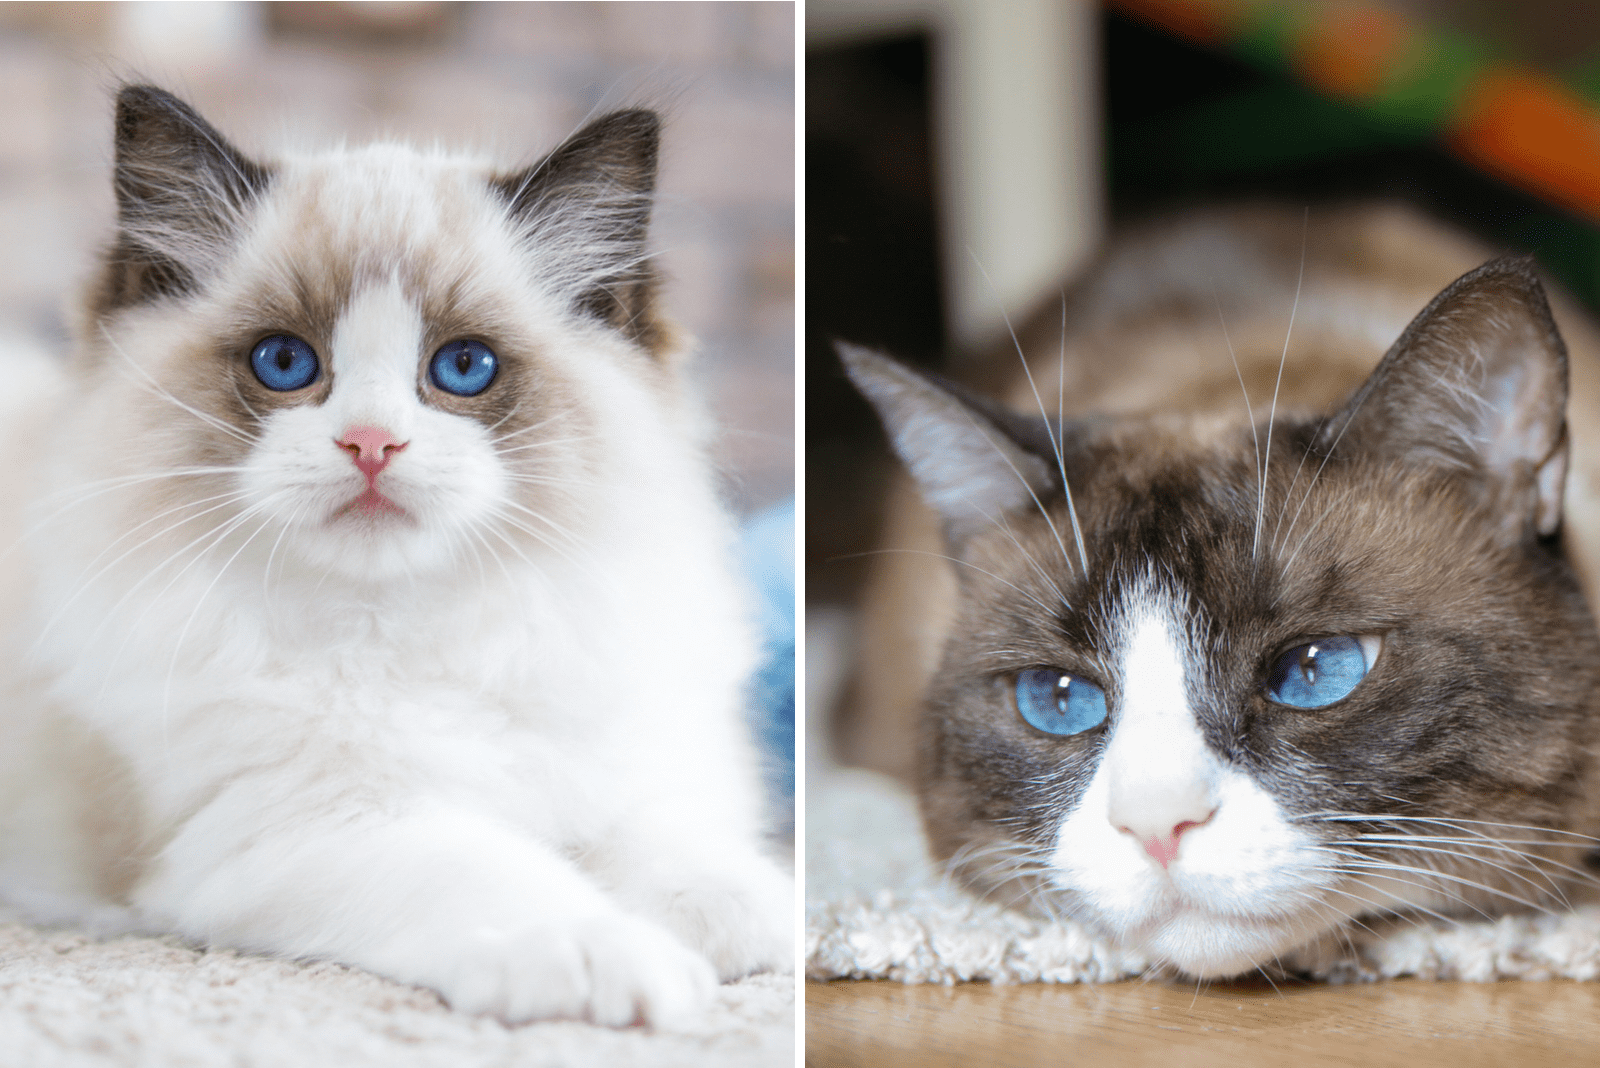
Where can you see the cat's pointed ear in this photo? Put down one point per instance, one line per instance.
(963, 454)
(1478, 382)
(584, 214)
(182, 195)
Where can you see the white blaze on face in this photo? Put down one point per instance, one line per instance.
(1170, 847)
(1162, 779)
(375, 351)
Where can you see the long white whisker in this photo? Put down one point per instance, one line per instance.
(85, 584)
(1061, 467)
(1255, 443)
(1261, 504)
(526, 446)
(177, 645)
(157, 389)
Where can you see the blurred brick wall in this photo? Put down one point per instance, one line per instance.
(508, 78)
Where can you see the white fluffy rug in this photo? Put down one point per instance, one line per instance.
(69, 1000)
(877, 908)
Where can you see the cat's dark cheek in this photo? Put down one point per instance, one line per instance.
(1004, 771)
(1403, 737)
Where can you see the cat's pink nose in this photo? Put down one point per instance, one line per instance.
(371, 447)
(1163, 849)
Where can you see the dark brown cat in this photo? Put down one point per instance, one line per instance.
(1220, 676)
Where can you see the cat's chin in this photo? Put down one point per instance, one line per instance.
(1210, 945)
(377, 545)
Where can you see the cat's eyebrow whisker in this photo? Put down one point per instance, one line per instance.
(1061, 386)
(1288, 495)
(1037, 568)
(1261, 502)
(1326, 512)
(1305, 497)
(1366, 391)
(1000, 524)
(1037, 503)
(1249, 414)
(1061, 466)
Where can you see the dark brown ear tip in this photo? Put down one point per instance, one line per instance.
(142, 92)
(643, 116)
(637, 127)
(640, 120)
(1519, 270)
(139, 105)
(141, 99)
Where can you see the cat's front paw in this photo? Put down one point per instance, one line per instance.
(742, 921)
(613, 970)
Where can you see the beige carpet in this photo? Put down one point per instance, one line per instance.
(69, 1000)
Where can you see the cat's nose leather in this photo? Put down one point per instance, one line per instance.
(1163, 849)
(371, 447)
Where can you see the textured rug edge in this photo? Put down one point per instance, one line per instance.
(877, 909)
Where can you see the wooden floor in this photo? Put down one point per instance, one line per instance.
(1226, 1025)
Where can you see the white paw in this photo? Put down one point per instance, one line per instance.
(742, 922)
(615, 970)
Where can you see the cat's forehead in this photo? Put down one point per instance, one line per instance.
(1188, 522)
(335, 225)
(384, 208)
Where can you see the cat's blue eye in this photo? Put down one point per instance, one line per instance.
(464, 368)
(1321, 672)
(1059, 703)
(283, 362)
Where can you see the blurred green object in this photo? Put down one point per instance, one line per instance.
(1325, 100)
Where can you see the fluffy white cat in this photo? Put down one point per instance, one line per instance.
(370, 598)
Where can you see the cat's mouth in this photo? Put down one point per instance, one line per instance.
(371, 506)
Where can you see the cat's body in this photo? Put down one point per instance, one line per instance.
(1123, 713)
(384, 665)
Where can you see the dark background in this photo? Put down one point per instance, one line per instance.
(1183, 124)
